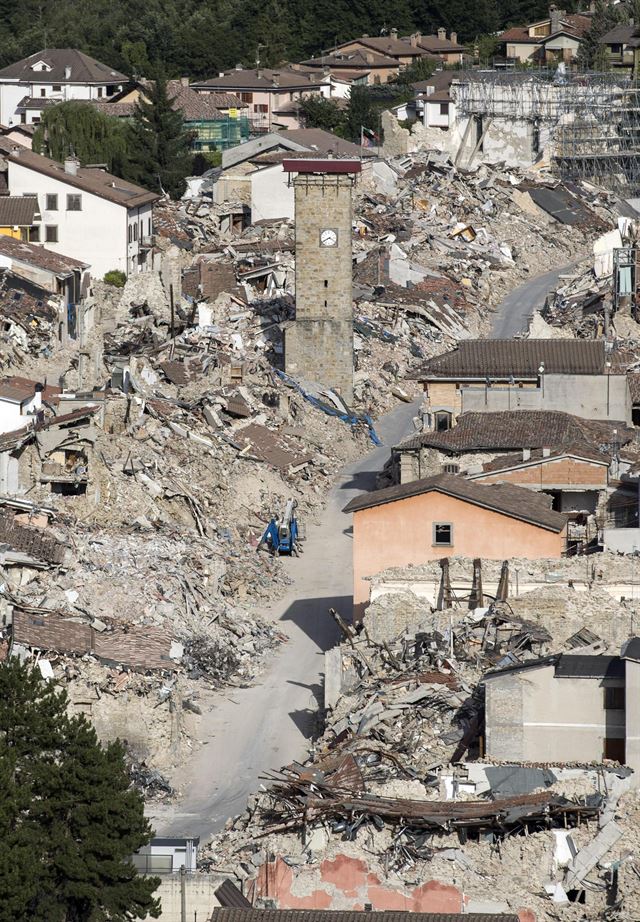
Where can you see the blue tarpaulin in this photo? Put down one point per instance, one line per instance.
(352, 419)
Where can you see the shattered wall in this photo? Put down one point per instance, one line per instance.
(345, 882)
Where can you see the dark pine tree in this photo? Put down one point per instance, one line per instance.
(69, 821)
(159, 143)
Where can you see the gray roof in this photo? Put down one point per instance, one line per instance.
(18, 210)
(84, 69)
(584, 666)
(631, 649)
(332, 915)
(621, 35)
(506, 499)
(480, 358)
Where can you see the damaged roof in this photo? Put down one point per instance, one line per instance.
(235, 914)
(141, 648)
(30, 541)
(581, 451)
(510, 430)
(506, 499)
(38, 256)
(503, 358)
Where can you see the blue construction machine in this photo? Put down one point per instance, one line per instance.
(281, 535)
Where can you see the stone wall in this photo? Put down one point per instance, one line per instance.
(319, 345)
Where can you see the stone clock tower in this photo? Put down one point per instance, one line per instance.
(319, 344)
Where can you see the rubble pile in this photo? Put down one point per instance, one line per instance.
(387, 786)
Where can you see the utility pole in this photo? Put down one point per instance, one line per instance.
(183, 894)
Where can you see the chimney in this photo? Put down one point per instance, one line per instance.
(369, 57)
(37, 397)
(67, 72)
(276, 78)
(526, 454)
(454, 38)
(184, 81)
(415, 39)
(71, 165)
(442, 34)
(556, 16)
(394, 33)
(546, 452)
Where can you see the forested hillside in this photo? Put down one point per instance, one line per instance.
(201, 37)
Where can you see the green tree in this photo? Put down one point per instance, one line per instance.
(605, 17)
(360, 113)
(484, 48)
(324, 113)
(78, 128)
(159, 142)
(137, 59)
(421, 69)
(69, 820)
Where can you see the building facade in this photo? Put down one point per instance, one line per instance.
(52, 76)
(87, 213)
(446, 516)
(566, 708)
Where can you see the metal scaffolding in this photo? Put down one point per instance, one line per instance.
(592, 120)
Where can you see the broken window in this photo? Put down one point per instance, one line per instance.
(442, 534)
(614, 749)
(442, 420)
(614, 699)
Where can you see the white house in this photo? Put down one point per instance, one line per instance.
(437, 109)
(271, 194)
(51, 76)
(20, 402)
(87, 213)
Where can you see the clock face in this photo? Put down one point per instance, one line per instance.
(328, 238)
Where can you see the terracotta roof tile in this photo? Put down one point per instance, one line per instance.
(480, 358)
(330, 915)
(506, 499)
(38, 256)
(95, 181)
(18, 210)
(510, 430)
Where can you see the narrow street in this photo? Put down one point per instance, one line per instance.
(252, 730)
(512, 316)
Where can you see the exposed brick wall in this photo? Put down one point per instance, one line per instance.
(346, 883)
(554, 472)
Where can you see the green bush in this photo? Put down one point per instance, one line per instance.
(116, 278)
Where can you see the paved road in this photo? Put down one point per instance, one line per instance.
(256, 729)
(512, 316)
(249, 731)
